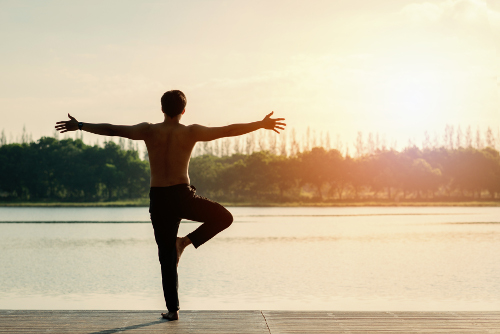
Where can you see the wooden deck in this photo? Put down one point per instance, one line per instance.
(240, 322)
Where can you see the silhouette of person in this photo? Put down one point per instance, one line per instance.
(172, 198)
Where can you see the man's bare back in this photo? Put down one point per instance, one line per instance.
(169, 148)
(172, 198)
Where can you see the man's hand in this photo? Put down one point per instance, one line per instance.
(273, 123)
(65, 126)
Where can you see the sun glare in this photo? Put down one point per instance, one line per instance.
(415, 97)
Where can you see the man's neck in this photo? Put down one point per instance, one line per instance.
(172, 120)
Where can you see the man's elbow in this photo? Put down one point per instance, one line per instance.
(230, 132)
(221, 133)
(112, 133)
(119, 131)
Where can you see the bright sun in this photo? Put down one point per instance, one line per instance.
(415, 97)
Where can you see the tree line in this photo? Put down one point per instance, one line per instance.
(70, 170)
(327, 175)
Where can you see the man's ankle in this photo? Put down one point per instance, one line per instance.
(171, 315)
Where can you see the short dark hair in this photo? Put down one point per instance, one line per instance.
(173, 102)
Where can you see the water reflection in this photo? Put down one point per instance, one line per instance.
(275, 258)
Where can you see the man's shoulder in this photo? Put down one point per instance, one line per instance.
(144, 125)
(194, 127)
(190, 128)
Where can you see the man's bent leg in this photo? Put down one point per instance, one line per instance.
(214, 217)
(165, 229)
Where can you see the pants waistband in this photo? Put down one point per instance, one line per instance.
(171, 188)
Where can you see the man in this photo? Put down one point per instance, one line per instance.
(172, 198)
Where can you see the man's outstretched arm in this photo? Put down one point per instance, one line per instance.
(203, 133)
(136, 132)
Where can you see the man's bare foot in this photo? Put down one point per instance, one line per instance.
(180, 244)
(171, 315)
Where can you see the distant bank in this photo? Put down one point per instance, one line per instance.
(145, 203)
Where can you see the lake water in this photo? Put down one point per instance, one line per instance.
(369, 258)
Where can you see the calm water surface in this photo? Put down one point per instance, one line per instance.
(444, 258)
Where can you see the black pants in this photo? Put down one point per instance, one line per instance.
(168, 205)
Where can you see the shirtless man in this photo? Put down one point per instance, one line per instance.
(172, 198)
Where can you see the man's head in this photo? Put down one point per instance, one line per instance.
(173, 103)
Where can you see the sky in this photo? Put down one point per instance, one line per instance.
(396, 67)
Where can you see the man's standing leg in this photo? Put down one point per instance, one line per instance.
(166, 229)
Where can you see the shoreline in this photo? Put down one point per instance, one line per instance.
(145, 203)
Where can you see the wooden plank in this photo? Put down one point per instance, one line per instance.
(382, 322)
(108, 322)
(241, 322)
